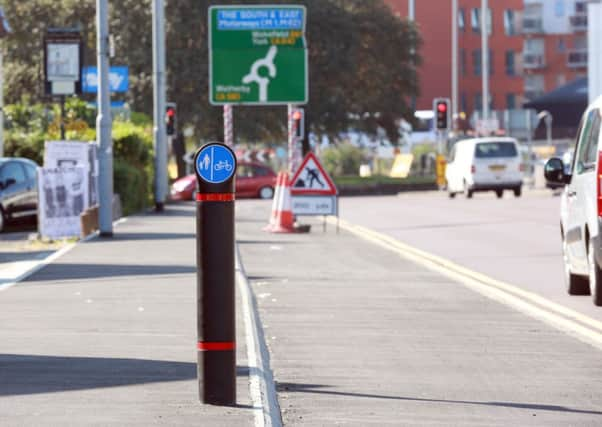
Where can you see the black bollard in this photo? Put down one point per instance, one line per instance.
(215, 166)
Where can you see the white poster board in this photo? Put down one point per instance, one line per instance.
(75, 153)
(62, 62)
(63, 196)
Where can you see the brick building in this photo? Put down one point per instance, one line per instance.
(555, 44)
(434, 20)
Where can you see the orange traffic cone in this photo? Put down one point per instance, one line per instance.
(284, 221)
(276, 201)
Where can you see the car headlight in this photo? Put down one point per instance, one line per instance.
(182, 186)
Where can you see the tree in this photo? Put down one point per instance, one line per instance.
(362, 62)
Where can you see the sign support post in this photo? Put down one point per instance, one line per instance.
(215, 167)
(228, 126)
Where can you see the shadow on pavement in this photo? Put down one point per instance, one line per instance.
(58, 271)
(319, 389)
(122, 237)
(30, 374)
(23, 256)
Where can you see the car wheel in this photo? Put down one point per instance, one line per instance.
(266, 192)
(595, 275)
(499, 193)
(467, 191)
(518, 191)
(575, 285)
(451, 194)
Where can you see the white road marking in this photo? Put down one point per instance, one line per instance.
(570, 321)
(262, 388)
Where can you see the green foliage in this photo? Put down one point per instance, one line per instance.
(30, 125)
(25, 144)
(362, 62)
(130, 183)
(133, 168)
(344, 159)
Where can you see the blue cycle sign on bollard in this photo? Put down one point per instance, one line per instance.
(215, 163)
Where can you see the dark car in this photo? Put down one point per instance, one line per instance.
(252, 180)
(18, 189)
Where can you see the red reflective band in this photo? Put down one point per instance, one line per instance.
(215, 197)
(216, 346)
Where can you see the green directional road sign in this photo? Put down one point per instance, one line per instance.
(257, 55)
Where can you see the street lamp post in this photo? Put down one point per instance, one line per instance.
(485, 56)
(104, 122)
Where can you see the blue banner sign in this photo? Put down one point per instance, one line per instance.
(118, 79)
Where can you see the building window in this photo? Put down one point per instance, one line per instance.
(475, 20)
(510, 101)
(559, 8)
(560, 45)
(476, 62)
(462, 62)
(478, 102)
(534, 85)
(509, 22)
(461, 21)
(510, 63)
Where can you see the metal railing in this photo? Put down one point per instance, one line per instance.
(577, 58)
(578, 22)
(532, 24)
(533, 60)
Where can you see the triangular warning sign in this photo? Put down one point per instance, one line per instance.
(311, 178)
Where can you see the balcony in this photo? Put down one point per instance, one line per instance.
(578, 22)
(577, 58)
(531, 92)
(532, 24)
(533, 61)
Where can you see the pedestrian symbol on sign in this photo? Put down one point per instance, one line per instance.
(215, 163)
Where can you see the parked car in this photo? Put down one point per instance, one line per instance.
(18, 189)
(581, 207)
(252, 180)
(484, 164)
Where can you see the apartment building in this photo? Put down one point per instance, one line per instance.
(434, 19)
(555, 44)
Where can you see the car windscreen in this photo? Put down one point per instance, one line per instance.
(489, 150)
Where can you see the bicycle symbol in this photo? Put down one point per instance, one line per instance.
(223, 164)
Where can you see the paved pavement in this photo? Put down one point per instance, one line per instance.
(105, 335)
(359, 336)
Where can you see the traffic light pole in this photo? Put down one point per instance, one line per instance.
(159, 134)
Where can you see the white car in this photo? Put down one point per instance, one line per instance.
(581, 207)
(484, 164)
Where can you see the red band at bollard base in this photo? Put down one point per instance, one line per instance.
(215, 197)
(216, 346)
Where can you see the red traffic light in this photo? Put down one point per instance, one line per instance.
(171, 112)
(297, 115)
(442, 107)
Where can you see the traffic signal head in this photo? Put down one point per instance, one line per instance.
(299, 123)
(441, 114)
(170, 119)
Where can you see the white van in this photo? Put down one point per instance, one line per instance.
(581, 207)
(484, 164)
